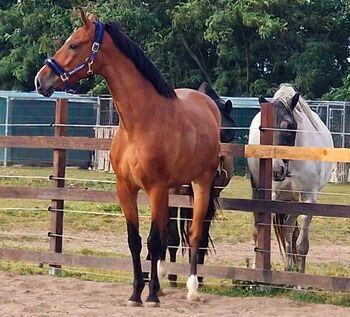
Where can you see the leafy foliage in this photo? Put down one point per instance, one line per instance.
(242, 47)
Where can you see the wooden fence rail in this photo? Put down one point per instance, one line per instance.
(263, 206)
(234, 204)
(223, 272)
(235, 150)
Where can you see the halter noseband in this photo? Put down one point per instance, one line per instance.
(64, 75)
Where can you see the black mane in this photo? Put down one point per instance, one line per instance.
(127, 46)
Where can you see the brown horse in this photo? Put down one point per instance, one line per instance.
(221, 180)
(166, 137)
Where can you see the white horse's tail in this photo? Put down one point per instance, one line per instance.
(278, 225)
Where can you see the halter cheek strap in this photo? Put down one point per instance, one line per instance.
(64, 75)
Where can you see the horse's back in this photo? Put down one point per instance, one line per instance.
(314, 135)
(199, 103)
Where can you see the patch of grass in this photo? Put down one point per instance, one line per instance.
(243, 290)
(21, 268)
(232, 227)
(320, 298)
(96, 277)
(246, 289)
(86, 274)
(92, 252)
(335, 268)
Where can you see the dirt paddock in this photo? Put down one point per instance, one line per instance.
(44, 296)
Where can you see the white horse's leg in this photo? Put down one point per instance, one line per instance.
(302, 243)
(162, 271)
(303, 240)
(288, 230)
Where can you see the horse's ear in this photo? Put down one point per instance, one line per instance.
(87, 21)
(81, 14)
(206, 89)
(294, 101)
(262, 100)
(228, 106)
(92, 17)
(202, 88)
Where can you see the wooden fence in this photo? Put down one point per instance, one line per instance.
(102, 161)
(263, 206)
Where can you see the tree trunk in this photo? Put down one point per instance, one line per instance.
(196, 59)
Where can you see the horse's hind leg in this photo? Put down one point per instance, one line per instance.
(201, 192)
(157, 239)
(173, 242)
(303, 240)
(127, 198)
(204, 243)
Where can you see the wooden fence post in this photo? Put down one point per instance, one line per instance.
(59, 171)
(263, 257)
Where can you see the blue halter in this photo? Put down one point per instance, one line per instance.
(64, 75)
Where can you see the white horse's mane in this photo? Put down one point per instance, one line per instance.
(285, 94)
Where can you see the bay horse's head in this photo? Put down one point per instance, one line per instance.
(285, 125)
(78, 58)
(225, 107)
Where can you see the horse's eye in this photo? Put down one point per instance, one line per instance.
(73, 46)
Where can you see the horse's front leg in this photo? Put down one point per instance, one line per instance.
(288, 232)
(201, 193)
(157, 239)
(303, 240)
(127, 198)
(302, 243)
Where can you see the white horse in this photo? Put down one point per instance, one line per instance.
(293, 180)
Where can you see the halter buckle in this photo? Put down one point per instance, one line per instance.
(95, 47)
(90, 72)
(64, 77)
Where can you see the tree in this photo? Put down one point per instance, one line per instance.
(29, 30)
(242, 47)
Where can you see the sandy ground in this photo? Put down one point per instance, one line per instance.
(44, 296)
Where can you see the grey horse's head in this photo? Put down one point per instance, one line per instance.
(285, 134)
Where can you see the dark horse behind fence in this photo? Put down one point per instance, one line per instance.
(222, 178)
(166, 138)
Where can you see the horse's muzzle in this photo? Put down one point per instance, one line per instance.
(277, 177)
(280, 170)
(44, 87)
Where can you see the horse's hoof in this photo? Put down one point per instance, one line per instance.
(161, 292)
(193, 298)
(152, 304)
(131, 303)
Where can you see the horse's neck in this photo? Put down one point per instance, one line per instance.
(133, 95)
(313, 132)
